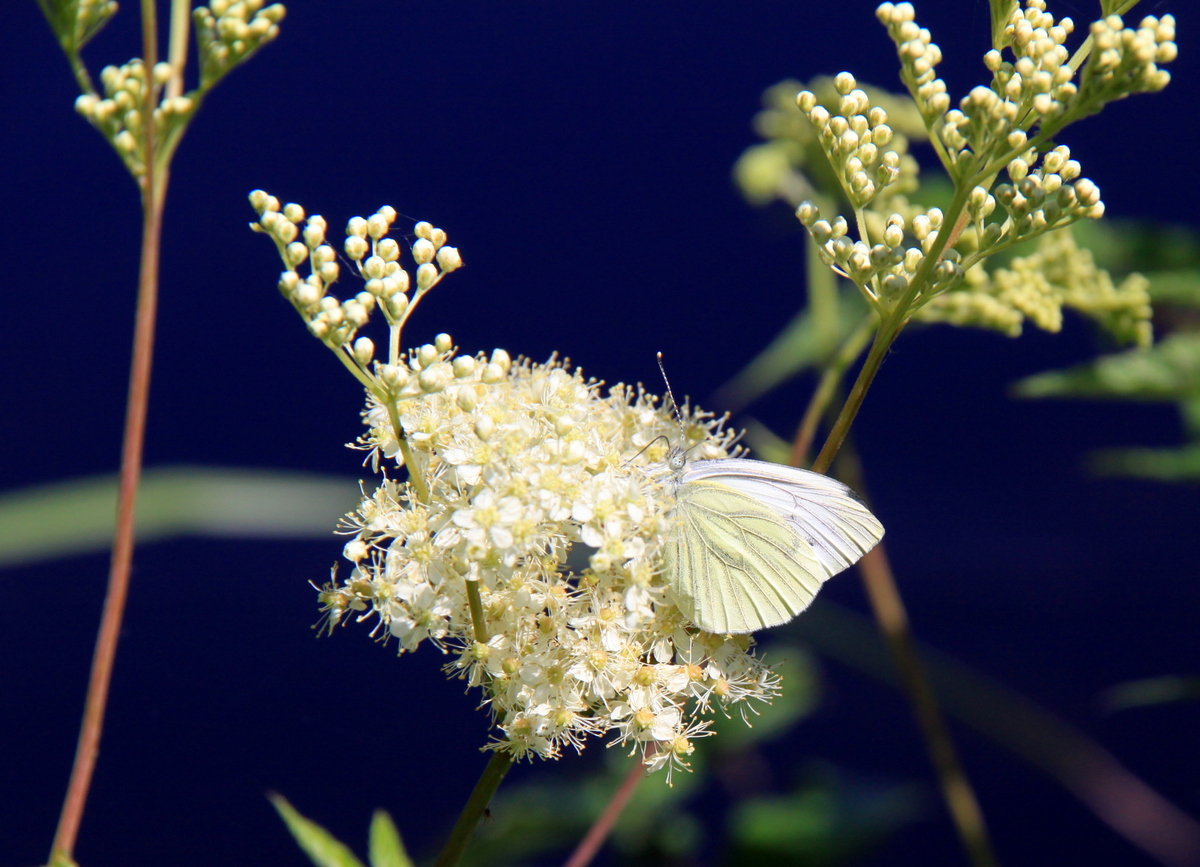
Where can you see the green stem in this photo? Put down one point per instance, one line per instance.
(473, 810)
(476, 604)
(883, 341)
(414, 477)
(827, 387)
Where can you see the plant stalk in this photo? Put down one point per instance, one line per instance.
(472, 811)
(888, 607)
(826, 388)
(598, 833)
(153, 188)
(883, 341)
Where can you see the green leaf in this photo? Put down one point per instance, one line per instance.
(76, 516)
(1175, 287)
(1167, 371)
(387, 849)
(1164, 465)
(320, 846)
(825, 820)
(1150, 691)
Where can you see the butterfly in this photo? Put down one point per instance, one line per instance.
(754, 541)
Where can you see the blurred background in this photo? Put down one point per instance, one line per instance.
(580, 156)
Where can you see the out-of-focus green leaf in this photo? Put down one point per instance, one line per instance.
(1167, 371)
(76, 516)
(1151, 691)
(386, 847)
(763, 722)
(825, 821)
(551, 813)
(1048, 743)
(1165, 465)
(318, 844)
(1175, 287)
(800, 345)
(764, 442)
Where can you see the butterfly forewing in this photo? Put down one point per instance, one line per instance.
(826, 513)
(734, 564)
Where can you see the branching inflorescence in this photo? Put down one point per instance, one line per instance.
(998, 148)
(526, 540)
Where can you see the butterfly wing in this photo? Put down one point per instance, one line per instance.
(825, 513)
(733, 564)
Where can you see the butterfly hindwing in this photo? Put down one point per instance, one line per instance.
(734, 563)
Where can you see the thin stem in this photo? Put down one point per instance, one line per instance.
(892, 619)
(598, 833)
(472, 811)
(476, 605)
(177, 46)
(883, 340)
(414, 477)
(957, 791)
(153, 192)
(827, 387)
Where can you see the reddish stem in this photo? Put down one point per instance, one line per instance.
(153, 187)
(598, 833)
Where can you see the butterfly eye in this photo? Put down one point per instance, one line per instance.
(676, 459)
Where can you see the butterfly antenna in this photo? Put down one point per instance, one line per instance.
(670, 394)
(675, 406)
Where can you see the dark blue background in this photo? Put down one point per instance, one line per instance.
(579, 155)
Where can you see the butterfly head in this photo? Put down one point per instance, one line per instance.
(676, 458)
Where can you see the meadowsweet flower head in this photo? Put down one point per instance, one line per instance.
(526, 541)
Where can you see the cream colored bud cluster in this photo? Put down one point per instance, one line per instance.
(333, 322)
(119, 115)
(376, 257)
(229, 31)
(884, 270)
(854, 140)
(524, 462)
(919, 57)
(89, 17)
(1125, 60)
(1039, 81)
(1043, 198)
(1037, 287)
(434, 369)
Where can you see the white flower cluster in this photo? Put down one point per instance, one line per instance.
(527, 538)
(540, 500)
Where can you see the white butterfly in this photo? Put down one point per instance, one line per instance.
(754, 541)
